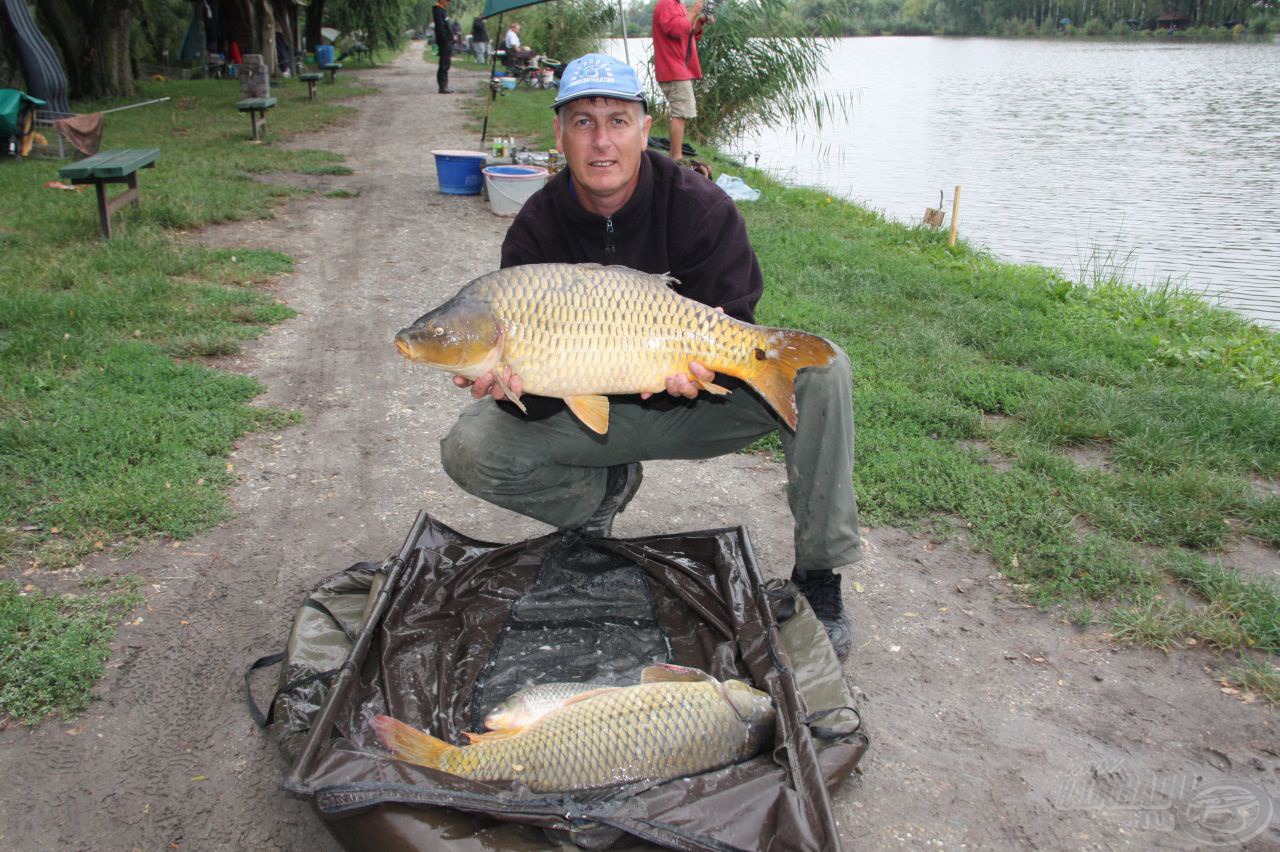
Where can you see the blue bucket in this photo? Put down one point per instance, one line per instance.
(459, 171)
(324, 54)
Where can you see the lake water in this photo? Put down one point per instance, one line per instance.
(1163, 158)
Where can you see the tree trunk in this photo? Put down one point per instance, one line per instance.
(264, 34)
(315, 20)
(94, 41)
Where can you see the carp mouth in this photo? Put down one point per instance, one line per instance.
(455, 351)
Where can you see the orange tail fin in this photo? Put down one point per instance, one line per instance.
(775, 376)
(409, 744)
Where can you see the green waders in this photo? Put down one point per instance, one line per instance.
(553, 470)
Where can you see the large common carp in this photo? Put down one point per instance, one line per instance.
(676, 722)
(581, 331)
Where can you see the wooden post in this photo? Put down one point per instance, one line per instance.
(955, 215)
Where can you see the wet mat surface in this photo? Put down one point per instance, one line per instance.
(589, 618)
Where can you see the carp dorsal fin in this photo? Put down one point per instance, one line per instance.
(490, 736)
(671, 673)
(592, 410)
(583, 696)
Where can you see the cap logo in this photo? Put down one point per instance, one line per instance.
(598, 74)
(593, 72)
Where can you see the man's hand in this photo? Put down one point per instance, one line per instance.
(486, 386)
(684, 384)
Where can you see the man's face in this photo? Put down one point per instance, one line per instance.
(603, 140)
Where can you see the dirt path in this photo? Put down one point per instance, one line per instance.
(992, 724)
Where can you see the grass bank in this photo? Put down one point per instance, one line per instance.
(1110, 447)
(113, 426)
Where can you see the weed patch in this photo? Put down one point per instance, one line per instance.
(53, 648)
(1259, 678)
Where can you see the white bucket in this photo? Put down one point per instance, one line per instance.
(510, 186)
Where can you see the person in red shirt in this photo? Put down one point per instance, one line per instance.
(676, 30)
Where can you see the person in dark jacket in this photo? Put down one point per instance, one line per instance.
(480, 39)
(617, 203)
(444, 41)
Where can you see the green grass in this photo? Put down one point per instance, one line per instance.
(521, 112)
(53, 648)
(113, 428)
(1133, 422)
(1258, 678)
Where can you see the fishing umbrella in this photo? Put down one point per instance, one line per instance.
(499, 7)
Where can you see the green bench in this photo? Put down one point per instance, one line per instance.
(310, 78)
(112, 167)
(333, 68)
(257, 109)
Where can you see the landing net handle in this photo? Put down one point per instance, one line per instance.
(385, 583)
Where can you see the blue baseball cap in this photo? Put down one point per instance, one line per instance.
(598, 76)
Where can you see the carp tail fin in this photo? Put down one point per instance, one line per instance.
(409, 744)
(787, 352)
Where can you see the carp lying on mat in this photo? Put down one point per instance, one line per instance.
(581, 331)
(678, 721)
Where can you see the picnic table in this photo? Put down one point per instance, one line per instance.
(333, 68)
(112, 167)
(310, 78)
(257, 109)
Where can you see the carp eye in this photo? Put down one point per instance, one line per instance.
(437, 331)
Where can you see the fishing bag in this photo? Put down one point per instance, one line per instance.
(448, 627)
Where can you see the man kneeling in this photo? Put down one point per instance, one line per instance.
(616, 203)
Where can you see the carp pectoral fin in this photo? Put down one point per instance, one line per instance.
(592, 410)
(490, 736)
(671, 673)
(711, 387)
(409, 744)
(775, 376)
(511, 395)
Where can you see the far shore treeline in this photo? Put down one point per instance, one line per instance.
(1131, 19)
(106, 46)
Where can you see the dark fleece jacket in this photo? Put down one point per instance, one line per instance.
(676, 223)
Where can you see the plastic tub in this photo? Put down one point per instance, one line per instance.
(508, 82)
(324, 54)
(510, 186)
(459, 171)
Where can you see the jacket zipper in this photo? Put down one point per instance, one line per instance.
(610, 249)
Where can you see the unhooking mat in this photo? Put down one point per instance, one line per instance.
(450, 626)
